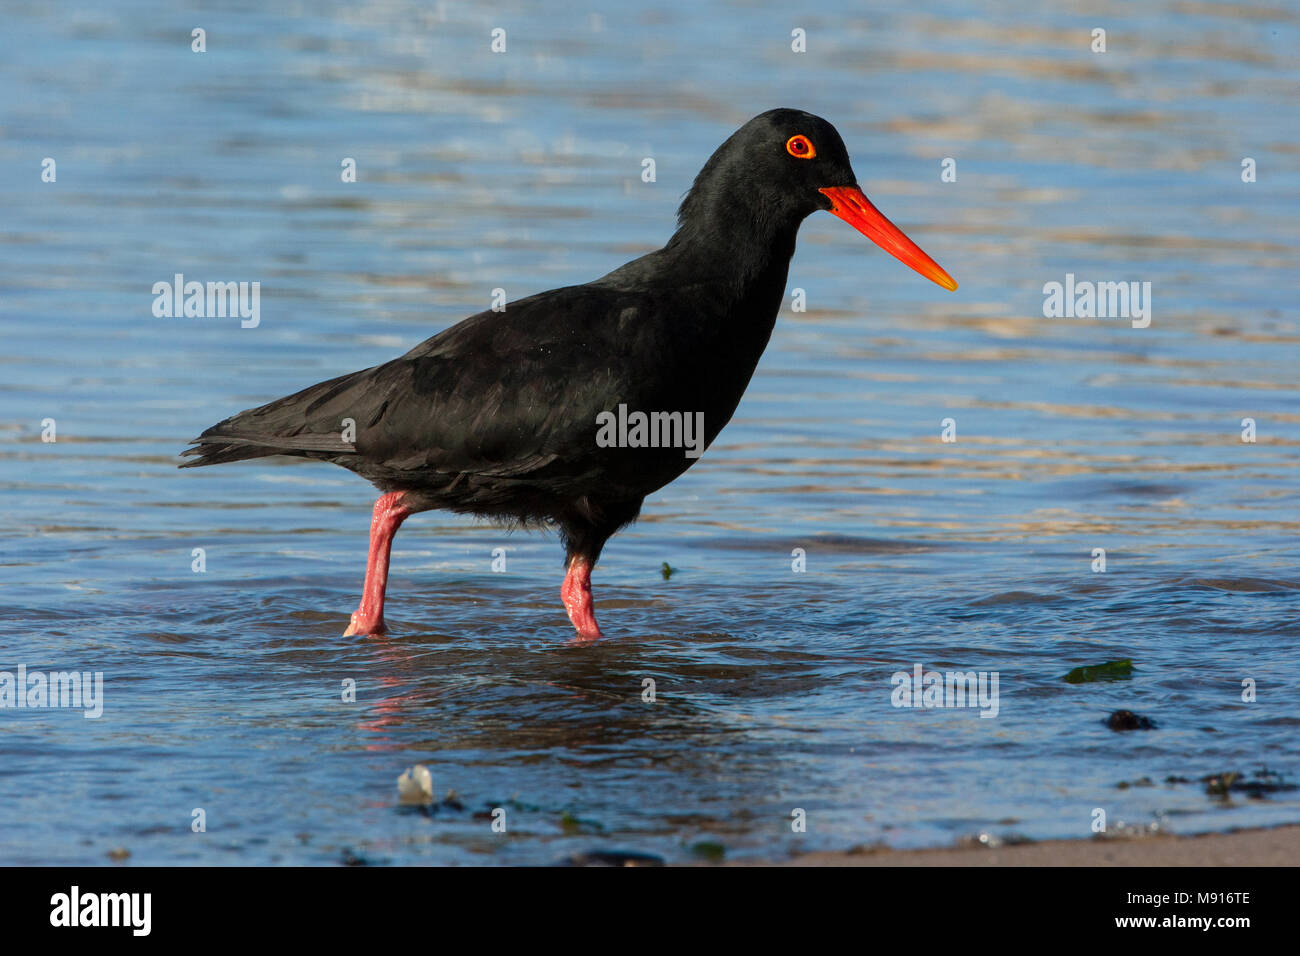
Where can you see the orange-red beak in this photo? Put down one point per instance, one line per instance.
(849, 203)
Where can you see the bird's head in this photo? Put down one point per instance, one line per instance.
(782, 166)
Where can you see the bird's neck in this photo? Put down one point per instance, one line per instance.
(732, 272)
(741, 259)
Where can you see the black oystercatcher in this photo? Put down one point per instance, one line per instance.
(511, 415)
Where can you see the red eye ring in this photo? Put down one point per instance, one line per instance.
(800, 147)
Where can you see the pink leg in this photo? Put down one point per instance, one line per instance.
(576, 594)
(389, 514)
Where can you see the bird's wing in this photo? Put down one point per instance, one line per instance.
(499, 394)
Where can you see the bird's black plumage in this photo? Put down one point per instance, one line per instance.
(497, 415)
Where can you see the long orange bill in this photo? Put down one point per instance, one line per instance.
(851, 205)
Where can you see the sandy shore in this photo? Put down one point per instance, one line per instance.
(1279, 846)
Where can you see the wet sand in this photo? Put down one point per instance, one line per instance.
(1278, 846)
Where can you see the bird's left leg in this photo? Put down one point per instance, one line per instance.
(390, 511)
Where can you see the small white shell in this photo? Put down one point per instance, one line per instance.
(415, 785)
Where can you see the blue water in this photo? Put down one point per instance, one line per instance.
(522, 170)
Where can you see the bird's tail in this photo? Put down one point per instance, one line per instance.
(219, 454)
(304, 424)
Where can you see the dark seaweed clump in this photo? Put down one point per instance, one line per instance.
(1127, 720)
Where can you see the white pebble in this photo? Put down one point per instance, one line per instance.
(415, 785)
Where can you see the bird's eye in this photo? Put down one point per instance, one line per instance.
(800, 147)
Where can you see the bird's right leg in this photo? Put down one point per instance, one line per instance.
(584, 532)
(576, 595)
(390, 511)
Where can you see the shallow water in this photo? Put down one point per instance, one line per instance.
(222, 689)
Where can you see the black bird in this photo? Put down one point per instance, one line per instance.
(530, 415)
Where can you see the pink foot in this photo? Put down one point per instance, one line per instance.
(365, 626)
(576, 594)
